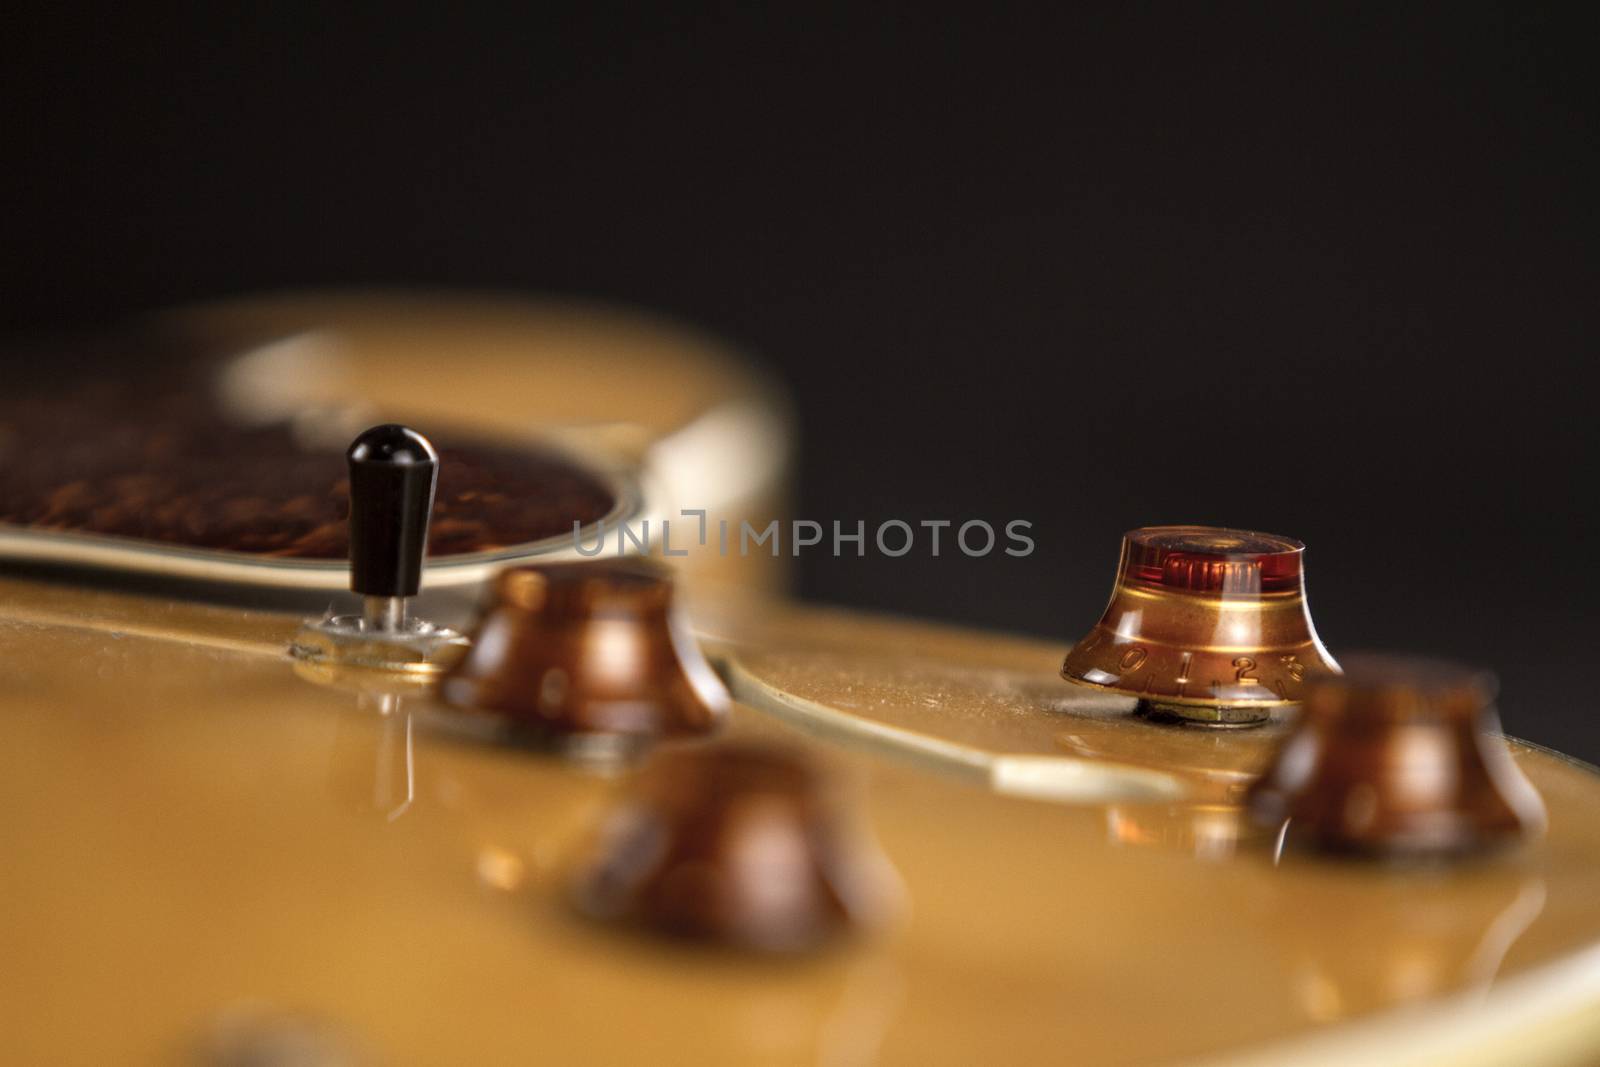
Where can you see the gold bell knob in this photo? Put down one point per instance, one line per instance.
(588, 650)
(1401, 756)
(1205, 625)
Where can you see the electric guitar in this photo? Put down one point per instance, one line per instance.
(583, 785)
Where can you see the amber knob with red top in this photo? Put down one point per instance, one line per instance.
(1400, 756)
(1205, 625)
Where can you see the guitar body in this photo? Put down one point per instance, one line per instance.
(210, 848)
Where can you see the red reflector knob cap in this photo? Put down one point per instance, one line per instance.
(1205, 624)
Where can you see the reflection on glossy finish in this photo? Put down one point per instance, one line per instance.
(254, 1034)
(1408, 938)
(1214, 767)
(500, 868)
(1209, 831)
(1401, 756)
(1204, 625)
(586, 649)
(375, 774)
(735, 844)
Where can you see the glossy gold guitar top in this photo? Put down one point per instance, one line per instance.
(904, 844)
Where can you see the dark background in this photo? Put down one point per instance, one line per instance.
(1321, 271)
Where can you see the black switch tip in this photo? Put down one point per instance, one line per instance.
(393, 471)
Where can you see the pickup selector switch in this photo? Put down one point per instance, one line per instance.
(394, 471)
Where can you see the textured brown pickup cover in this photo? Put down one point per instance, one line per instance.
(122, 440)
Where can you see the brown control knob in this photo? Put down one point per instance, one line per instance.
(735, 844)
(1401, 756)
(1205, 625)
(588, 650)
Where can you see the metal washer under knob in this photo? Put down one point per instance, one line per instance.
(393, 473)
